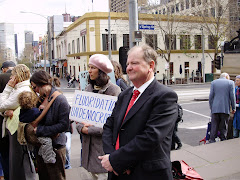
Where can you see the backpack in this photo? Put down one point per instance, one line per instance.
(180, 113)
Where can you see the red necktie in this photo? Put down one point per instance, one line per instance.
(134, 97)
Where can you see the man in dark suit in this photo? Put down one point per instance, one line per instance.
(137, 142)
(6, 68)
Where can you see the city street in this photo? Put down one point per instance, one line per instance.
(196, 114)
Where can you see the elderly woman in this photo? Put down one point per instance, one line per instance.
(20, 163)
(54, 125)
(99, 66)
(236, 120)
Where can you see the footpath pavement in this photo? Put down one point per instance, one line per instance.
(216, 161)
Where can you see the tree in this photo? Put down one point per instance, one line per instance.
(219, 20)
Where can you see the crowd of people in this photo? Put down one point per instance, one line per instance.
(134, 143)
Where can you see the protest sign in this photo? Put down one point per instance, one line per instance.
(92, 108)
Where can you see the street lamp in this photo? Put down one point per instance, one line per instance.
(49, 40)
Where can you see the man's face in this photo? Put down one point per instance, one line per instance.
(4, 70)
(237, 82)
(138, 69)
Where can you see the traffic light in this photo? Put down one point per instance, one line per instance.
(217, 62)
(123, 57)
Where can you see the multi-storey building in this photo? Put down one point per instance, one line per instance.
(228, 10)
(88, 35)
(7, 42)
(123, 5)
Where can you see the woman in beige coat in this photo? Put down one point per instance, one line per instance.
(99, 82)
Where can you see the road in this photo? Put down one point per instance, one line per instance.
(196, 115)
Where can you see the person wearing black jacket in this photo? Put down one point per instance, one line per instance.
(6, 68)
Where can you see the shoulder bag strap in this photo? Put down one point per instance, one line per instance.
(45, 110)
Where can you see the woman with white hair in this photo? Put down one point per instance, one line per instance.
(99, 82)
(20, 163)
(236, 120)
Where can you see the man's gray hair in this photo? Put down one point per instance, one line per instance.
(149, 53)
(225, 75)
(238, 77)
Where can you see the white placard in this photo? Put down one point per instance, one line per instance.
(92, 108)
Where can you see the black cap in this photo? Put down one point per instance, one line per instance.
(7, 64)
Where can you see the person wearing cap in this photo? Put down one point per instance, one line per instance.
(99, 82)
(236, 119)
(6, 69)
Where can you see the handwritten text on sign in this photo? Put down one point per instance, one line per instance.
(92, 108)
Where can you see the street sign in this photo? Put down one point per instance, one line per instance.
(146, 26)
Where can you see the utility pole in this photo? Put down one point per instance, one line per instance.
(133, 21)
(49, 45)
(203, 58)
(109, 35)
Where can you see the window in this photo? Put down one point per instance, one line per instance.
(105, 42)
(185, 42)
(205, 13)
(193, 3)
(69, 48)
(164, 11)
(182, 6)
(220, 11)
(187, 4)
(126, 40)
(198, 41)
(73, 47)
(151, 40)
(172, 9)
(83, 43)
(170, 41)
(177, 7)
(78, 45)
(171, 69)
(186, 69)
(159, 12)
(212, 40)
(213, 12)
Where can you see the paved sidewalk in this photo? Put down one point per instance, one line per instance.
(216, 161)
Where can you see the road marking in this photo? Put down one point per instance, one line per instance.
(194, 102)
(197, 127)
(197, 113)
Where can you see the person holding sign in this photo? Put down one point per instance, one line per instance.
(99, 82)
(137, 136)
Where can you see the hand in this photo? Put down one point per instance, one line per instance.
(12, 82)
(106, 163)
(233, 111)
(85, 130)
(35, 130)
(86, 124)
(9, 113)
(127, 171)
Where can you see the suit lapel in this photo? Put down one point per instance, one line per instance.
(140, 102)
(123, 109)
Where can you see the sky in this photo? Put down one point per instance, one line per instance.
(10, 12)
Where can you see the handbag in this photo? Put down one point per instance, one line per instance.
(181, 170)
(26, 133)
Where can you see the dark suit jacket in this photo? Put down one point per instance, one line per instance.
(145, 135)
(4, 78)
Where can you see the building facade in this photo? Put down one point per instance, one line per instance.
(123, 5)
(88, 36)
(7, 42)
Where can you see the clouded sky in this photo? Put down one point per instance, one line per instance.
(10, 13)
